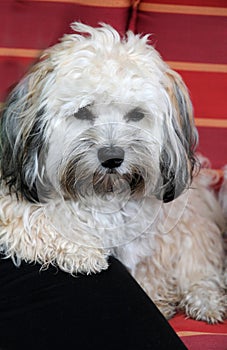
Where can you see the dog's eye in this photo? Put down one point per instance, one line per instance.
(134, 115)
(84, 114)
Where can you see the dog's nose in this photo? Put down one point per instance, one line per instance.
(111, 157)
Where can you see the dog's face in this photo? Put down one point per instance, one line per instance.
(98, 114)
(103, 148)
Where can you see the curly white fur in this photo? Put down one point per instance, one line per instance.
(97, 155)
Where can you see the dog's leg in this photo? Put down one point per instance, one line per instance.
(159, 286)
(200, 275)
(27, 234)
(201, 263)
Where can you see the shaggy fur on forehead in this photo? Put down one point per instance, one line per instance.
(89, 62)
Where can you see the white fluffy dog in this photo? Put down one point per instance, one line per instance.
(97, 143)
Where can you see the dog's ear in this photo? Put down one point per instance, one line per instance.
(177, 160)
(22, 133)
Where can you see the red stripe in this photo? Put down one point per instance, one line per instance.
(190, 38)
(211, 342)
(213, 144)
(208, 93)
(212, 3)
(40, 24)
(11, 71)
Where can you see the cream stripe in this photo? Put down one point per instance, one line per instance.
(183, 9)
(191, 333)
(18, 52)
(198, 67)
(208, 122)
(97, 3)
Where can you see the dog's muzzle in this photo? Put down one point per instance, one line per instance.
(108, 178)
(111, 157)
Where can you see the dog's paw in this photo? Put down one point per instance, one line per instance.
(206, 304)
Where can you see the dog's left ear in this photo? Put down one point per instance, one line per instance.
(177, 160)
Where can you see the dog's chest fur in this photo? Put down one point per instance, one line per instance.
(114, 225)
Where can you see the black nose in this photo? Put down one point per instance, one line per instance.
(111, 157)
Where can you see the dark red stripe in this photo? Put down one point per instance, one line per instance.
(206, 341)
(190, 38)
(213, 144)
(40, 24)
(11, 71)
(208, 93)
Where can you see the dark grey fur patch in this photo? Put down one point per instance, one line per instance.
(135, 115)
(18, 157)
(172, 184)
(84, 114)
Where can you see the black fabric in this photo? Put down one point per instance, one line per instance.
(53, 310)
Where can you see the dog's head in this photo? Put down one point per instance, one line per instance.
(97, 112)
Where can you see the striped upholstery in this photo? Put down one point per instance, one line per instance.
(190, 34)
(199, 335)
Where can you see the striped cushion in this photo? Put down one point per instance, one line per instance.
(192, 36)
(199, 335)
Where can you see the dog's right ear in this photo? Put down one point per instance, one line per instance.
(177, 160)
(22, 134)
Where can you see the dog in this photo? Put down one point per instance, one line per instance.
(98, 158)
